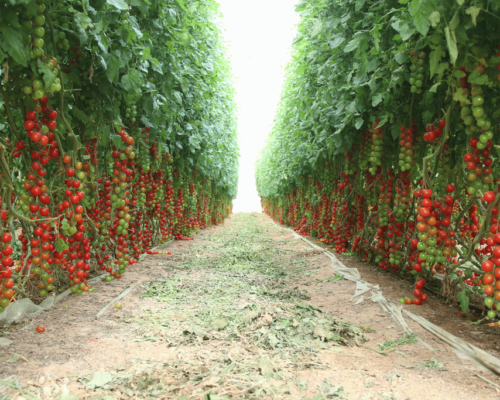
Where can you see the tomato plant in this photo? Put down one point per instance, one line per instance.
(385, 143)
(117, 134)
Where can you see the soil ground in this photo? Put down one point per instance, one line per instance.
(244, 311)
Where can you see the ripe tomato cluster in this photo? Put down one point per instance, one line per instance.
(96, 167)
(391, 218)
(417, 195)
(86, 222)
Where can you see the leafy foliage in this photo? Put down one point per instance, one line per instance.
(387, 102)
(118, 132)
(354, 71)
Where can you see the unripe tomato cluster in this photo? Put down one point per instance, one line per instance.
(417, 75)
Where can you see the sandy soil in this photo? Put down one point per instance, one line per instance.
(130, 353)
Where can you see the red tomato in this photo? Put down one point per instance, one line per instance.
(487, 266)
(489, 196)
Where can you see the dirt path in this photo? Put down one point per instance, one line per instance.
(244, 311)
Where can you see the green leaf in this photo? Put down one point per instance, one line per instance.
(317, 29)
(382, 122)
(12, 44)
(402, 57)
(120, 4)
(434, 87)
(155, 64)
(404, 28)
(455, 20)
(48, 76)
(480, 80)
(359, 4)
(461, 96)
(181, 4)
(473, 12)
(435, 17)
(85, 6)
(146, 53)
(113, 62)
(16, 357)
(61, 245)
(434, 59)
(80, 115)
(421, 10)
(464, 300)
(359, 123)
(132, 81)
(83, 20)
(99, 379)
(178, 96)
(451, 41)
(337, 42)
(377, 99)
(352, 45)
(102, 42)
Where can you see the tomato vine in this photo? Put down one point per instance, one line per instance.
(117, 133)
(389, 115)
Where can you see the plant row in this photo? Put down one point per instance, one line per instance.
(385, 143)
(117, 134)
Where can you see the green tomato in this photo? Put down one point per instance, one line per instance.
(39, 31)
(488, 301)
(40, 20)
(37, 84)
(38, 94)
(468, 120)
(477, 90)
(478, 112)
(477, 100)
(38, 42)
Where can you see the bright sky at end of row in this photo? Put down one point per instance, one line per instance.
(258, 35)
